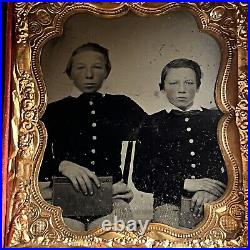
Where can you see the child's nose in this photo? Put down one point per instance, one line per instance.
(89, 73)
(182, 87)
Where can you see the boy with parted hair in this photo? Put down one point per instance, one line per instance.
(85, 133)
(177, 153)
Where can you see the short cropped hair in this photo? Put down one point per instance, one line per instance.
(181, 63)
(89, 47)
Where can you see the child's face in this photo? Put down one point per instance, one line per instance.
(88, 71)
(180, 87)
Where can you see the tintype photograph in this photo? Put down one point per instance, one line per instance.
(128, 125)
(136, 108)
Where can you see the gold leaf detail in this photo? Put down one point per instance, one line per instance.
(228, 223)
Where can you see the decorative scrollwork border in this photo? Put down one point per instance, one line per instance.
(33, 222)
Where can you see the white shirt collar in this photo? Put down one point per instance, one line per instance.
(77, 92)
(170, 107)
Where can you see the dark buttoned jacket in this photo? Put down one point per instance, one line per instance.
(89, 131)
(175, 146)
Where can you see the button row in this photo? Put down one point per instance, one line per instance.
(192, 153)
(93, 137)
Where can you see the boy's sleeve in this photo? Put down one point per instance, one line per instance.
(143, 171)
(133, 116)
(50, 163)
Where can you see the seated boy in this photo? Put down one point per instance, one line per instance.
(85, 133)
(177, 153)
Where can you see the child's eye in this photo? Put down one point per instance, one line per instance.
(189, 82)
(172, 83)
(97, 66)
(81, 67)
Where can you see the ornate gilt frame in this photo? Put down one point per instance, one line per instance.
(32, 222)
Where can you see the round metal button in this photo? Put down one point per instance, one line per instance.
(193, 165)
(92, 112)
(186, 119)
(91, 103)
(94, 137)
(93, 124)
(92, 162)
(192, 153)
(188, 129)
(192, 177)
(191, 140)
(93, 151)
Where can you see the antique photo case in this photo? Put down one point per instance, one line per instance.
(131, 112)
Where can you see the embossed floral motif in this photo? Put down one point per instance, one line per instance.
(242, 26)
(55, 7)
(228, 223)
(229, 22)
(217, 13)
(38, 227)
(18, 232)
(237, 211)
(216, 234)
(242, 113)
(34, 212)
(43, 17)
(35, 28)
(22, 10)
(29, 115)
(22, 34)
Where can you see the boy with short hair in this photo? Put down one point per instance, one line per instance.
(177, 153)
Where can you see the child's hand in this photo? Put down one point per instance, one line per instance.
(80, 177)
(122, 191)
(199, 199)
(206, 184)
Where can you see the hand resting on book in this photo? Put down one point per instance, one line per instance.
(198, 200)
(82, 178)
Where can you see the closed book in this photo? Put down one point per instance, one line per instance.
(74, 203)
